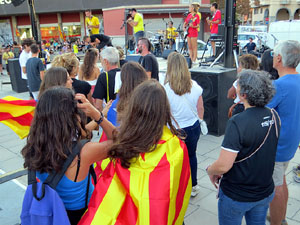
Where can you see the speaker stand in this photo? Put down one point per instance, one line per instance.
(218, 58)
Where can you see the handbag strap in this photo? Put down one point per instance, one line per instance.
(107, 89)
(266, 137)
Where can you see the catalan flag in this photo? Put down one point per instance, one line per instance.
(17, 114)
(154, 190)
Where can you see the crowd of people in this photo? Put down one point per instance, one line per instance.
(135, 112)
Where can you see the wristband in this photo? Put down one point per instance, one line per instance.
(101, 119)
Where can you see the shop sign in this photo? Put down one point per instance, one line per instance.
(5, 2)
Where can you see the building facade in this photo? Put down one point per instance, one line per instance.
(58, 20)
(266, 11)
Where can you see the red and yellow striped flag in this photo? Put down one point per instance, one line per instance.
(155, 189)
(17, 114)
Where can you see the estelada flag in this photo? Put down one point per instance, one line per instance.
(155, 190)
(17, 32)
(17, 114)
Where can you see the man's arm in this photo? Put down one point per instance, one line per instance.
(24, 69)
(42, 74)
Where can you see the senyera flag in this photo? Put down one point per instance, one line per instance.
(17, 114)
(154, 190)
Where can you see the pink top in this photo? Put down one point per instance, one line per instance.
(214, 26)
(192, 32)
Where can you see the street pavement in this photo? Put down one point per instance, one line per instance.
(202, 209)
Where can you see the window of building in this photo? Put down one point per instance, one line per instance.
(256, 11)
(261, 10)
(49, 32)
(72, 29)
(25, 32)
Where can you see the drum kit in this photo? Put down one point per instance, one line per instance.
(160, 41)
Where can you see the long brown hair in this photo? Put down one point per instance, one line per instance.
(147, 113)
(55, 76)
(178, 75)
(132, 74)
(89, 62)
(56, 124)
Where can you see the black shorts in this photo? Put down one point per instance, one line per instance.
(0, 59)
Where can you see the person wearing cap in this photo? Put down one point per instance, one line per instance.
(99, 41)
(251, 46)
(92, 22)
(137, 22)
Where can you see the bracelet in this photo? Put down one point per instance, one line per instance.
(101, 119)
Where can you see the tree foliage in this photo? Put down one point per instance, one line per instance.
(242, 6)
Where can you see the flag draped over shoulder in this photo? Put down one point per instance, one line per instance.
(154, 190)
(17, 114)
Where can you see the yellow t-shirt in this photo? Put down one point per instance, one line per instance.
(171, 33)
(199, 14)
(140, 26)
(75, 49)
(6, 56)
(93, 22)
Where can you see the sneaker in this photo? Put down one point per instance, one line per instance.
(296, 169)
(195, 190)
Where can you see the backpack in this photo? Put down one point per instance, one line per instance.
(42, 204)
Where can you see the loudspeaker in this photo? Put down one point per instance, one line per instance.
(167, 52)
(134, 58)
(17, 83)
(17, 2)
(215, 83)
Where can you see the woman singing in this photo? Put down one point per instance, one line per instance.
(191, 25)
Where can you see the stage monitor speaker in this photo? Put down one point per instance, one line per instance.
(18, 84)
(215, 83)
(167, 52)
(133, 58)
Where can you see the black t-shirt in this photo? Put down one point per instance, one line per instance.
(101, 37)
(33, 68)
(100, 91)
(81, 87)
(149, 62)
(250, 180)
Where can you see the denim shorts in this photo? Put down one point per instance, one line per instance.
(232, 212)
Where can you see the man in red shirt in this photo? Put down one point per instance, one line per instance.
(214, 22)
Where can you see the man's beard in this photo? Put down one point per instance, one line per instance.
(140, 50)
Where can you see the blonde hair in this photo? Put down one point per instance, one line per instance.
(178, 75)
(196, 6)
(67, 60)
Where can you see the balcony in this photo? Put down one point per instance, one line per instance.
(285, 2)
(266, 2)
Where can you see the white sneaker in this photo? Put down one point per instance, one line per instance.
(195, 190)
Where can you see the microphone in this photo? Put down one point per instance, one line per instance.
(186, 13)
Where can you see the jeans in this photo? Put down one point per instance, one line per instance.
(192, 137)
(138, 35)
(231, 212)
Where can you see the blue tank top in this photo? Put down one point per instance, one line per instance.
(71, 193)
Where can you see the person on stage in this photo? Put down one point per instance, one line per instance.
(137, 22)
(171, 34)
(191, 25)
(213, 23)
(98, 41)
(92, 22)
